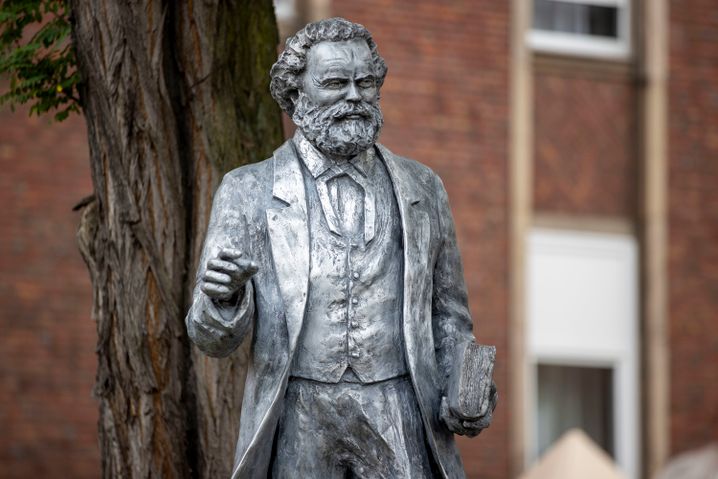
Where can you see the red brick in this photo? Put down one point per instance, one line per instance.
(585, 148)
(693, 223)
(47, 360)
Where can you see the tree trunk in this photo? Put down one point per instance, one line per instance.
(175, 93)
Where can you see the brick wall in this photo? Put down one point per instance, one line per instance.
(445, 102)
(585, 156)
(47, 360)
(693, 223)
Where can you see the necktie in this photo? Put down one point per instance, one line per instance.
(341, 189)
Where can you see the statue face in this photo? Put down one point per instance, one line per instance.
(340, 71)
(337, 108)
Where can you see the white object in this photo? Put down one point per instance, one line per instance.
(584, 44)
(582, 310)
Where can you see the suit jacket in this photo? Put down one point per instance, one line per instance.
(261, 210)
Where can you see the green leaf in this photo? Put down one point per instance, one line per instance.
(42, 67)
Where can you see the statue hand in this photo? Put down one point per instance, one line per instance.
(227, 274)
(472, 427)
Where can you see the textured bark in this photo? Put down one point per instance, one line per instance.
(174, 94)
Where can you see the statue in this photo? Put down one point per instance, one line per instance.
(339, 259)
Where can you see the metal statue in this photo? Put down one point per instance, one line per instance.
(338, 258)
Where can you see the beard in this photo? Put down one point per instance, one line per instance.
(330, 129)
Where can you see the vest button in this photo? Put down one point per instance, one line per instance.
(355, 301)
(355, 275)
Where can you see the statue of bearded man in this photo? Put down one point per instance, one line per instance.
(338, 260)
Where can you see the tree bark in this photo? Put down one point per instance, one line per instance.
(175, 93)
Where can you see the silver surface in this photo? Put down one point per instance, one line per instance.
(351, 430)
(265, 267)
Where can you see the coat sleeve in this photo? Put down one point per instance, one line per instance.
(450, 309)
(218, 327)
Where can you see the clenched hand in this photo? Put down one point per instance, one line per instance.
(226, 274)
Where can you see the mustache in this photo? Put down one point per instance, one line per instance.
(345, 109)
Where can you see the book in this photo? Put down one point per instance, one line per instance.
(470, 380)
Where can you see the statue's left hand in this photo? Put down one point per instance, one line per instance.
(469, 428)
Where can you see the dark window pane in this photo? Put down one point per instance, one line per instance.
(575, 397)
(557, 16)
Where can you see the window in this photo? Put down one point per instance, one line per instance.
(597, 28)
(582, 341)
(574, 397)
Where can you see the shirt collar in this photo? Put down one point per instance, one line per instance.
(318, 163)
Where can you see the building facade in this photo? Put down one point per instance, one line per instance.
(577, 141)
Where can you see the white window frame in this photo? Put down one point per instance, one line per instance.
(621, 355)
(588, 45)
(285, 10)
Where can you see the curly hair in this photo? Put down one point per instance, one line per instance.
(286, 72)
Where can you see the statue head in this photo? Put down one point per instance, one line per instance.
(328, 79)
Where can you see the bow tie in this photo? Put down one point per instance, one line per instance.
(330, 212)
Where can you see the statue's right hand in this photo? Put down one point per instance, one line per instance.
(226, 274)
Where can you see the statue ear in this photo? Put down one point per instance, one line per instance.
(293, 95)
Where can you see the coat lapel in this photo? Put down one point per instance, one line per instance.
(420, 353)
(416, 233)
(289, 238)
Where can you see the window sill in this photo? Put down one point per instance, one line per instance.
(582, 46)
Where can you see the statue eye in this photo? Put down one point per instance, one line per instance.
(366, 82)
(335, 83)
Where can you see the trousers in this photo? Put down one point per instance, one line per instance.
(348, 430)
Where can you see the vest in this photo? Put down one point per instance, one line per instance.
(353, 318)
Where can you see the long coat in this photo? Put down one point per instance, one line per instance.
(261, 209)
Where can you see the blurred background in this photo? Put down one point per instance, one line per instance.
(578, 141)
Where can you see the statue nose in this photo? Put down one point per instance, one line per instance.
(353, 93)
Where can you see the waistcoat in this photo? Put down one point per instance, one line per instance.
(353, 318)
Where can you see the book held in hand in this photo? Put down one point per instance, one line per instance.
(470, 380)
